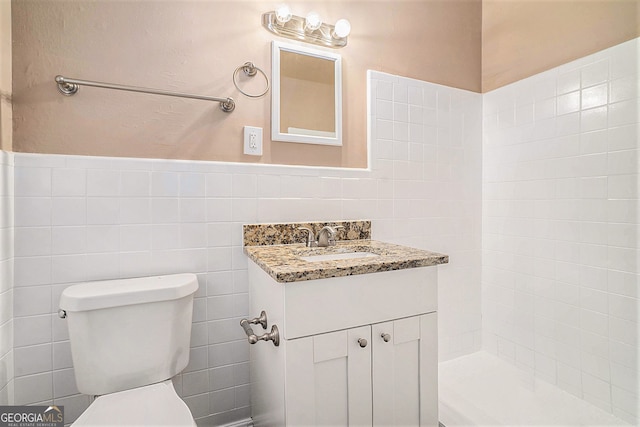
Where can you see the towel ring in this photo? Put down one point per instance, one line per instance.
(250, 70)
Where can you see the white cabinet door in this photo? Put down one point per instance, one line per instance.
(405, 372)
(328, 379)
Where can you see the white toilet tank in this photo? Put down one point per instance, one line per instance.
(129, 333)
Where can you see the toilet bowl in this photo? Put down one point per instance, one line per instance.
(152, 405)
(128, 338)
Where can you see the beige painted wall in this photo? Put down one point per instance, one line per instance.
(194, 46)
(521, 38)
(6, 128)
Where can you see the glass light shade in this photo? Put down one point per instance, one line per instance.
(312, 21)
(283, 13)
(342, 28)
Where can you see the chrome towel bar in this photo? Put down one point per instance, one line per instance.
(68, 86)
(274, 335)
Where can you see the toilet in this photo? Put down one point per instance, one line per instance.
(128, 339)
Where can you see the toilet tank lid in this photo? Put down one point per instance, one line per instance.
(113, 293)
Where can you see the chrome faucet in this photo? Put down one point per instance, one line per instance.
(327, 235)
(311, 241)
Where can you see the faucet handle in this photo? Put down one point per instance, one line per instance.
(332, 237)
(311, 239)
(334, 229)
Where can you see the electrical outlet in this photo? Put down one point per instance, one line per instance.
(252, 141)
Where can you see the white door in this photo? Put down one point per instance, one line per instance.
(405, 372)
(328, 379)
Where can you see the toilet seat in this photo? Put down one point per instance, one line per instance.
(152, 405)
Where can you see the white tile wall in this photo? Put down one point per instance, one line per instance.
(427, 154)
(83, 218)
(560, 235)
(6, 279)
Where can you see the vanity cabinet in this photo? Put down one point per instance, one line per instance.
(323, 373)
(355, 377)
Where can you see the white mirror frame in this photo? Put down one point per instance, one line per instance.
(276, 133)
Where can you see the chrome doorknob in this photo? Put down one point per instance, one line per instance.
(362, 342)
(386, 337)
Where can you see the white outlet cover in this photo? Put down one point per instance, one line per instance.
(253, 141)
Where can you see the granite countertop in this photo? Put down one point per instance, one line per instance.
(284, 262)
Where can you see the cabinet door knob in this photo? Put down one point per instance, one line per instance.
(362, 342)
(386, 337)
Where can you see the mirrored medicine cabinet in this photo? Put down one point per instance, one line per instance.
(306, 95)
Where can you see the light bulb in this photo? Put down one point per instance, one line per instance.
(342, 28)
(283, 14)
(312, 21)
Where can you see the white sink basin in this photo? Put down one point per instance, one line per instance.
(336, 257)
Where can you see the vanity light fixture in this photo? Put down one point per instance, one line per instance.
(309, 29)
